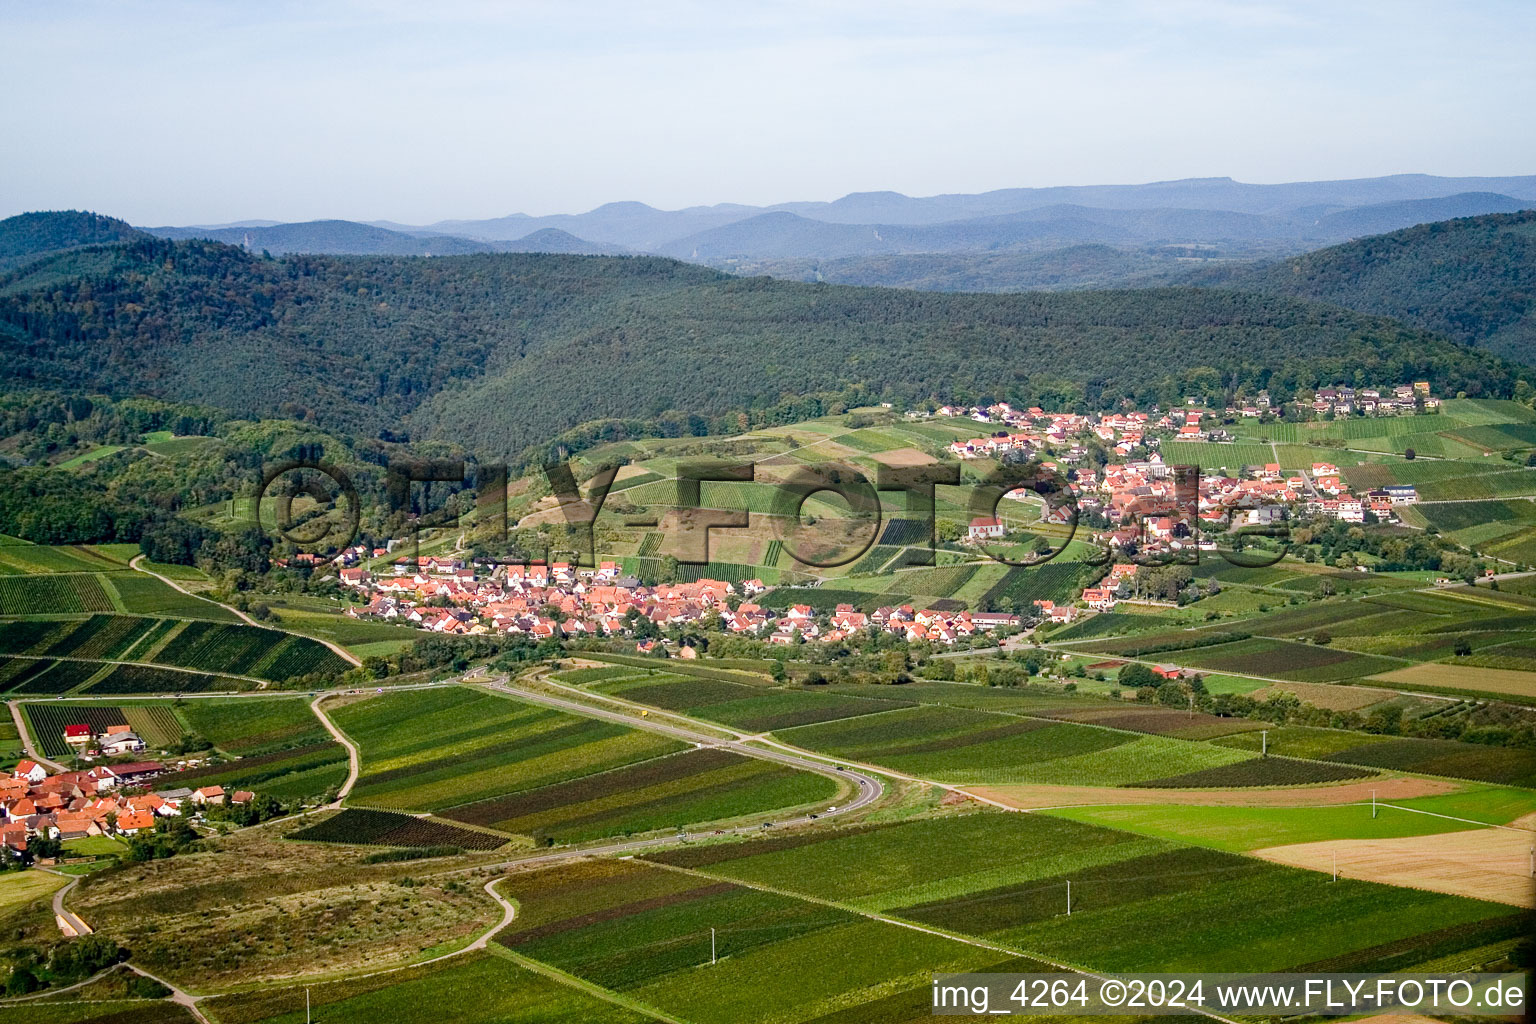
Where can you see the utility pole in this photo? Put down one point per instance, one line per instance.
(1373, 805)
(712, 959)
(306, 1004)
(1264, 740)
(1335, 867)
(1069, 897)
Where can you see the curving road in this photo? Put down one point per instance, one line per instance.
(342, 652)
(868, 787)
(26, 741)
(64, 915)
(340, 737)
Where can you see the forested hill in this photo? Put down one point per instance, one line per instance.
(506, 351)
(30, 234)
(1472, 279)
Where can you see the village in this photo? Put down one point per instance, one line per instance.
(1128, 500)
(114, 800)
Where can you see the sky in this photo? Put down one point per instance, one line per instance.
(422, 110)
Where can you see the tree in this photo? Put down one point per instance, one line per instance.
(1463, 647)
(1410, 454)
(21, 982)
(1137, 675)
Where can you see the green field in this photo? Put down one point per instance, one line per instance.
(1238, 829)
(749, 708)
(248, 650)
(498, 762)
(1138, 902)
(645, 932)
(486, 988)
(959, 746)
(254, 726)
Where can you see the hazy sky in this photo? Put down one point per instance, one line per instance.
(419, 110)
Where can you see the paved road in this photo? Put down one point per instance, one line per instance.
(868, 787)
(79, 926)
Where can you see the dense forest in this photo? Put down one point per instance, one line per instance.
(29, 234)
(1472, 279)
(505, 352)
(159, 492)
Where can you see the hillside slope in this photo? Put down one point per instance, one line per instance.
(505, 351)
(29, 235)
(1471, 279)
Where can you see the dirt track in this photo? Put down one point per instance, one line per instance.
(1302, 796)
(1489, 864)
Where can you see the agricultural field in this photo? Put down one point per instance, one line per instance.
(487, 988)
(662, 793)
(390, 828)
(249, 651)
(1241, 829)
(494, 761)
(61, 594)
(306, 772)
(745, 707)
(644, 932)
(157, 724)
(154, 679)
(959, 746)
(1451, 758)
(1189, 907)
(252, 725)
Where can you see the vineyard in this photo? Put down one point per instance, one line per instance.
(14, 672)
(53, 595)
(61, 678)
(1059, 581)
(386, 828)
(307, 772)
(151, 679)
(157, 724)
(668, 792)
(101, 636)
(248, 650)
(900, 532)
(1262, 771)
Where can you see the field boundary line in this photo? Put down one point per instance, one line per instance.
(1449, 817)
(875, 915)
(142, 664)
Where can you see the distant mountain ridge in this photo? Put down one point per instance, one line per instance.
(1198, 217)
(645, 228)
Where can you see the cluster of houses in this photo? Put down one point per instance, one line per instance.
(1036, 429)
(562, 600)
(912, 624)
(1405, 399)
(447, 595)
(110, 800)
